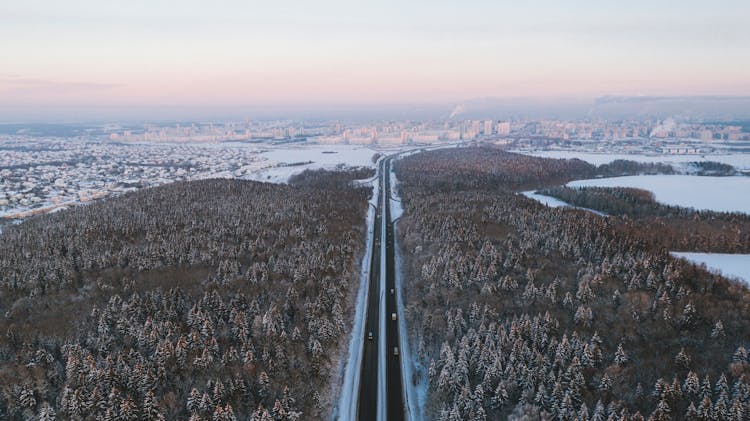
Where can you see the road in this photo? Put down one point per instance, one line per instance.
(381, 306)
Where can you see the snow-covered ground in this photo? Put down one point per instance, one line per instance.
(554, 202)
(729, 265)
(741, 161)
(415, 394)
(348, 399)
(724, 194)
(280, 160)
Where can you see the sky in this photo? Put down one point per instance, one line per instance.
(90, 55)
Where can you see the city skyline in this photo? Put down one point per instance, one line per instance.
(84, 57)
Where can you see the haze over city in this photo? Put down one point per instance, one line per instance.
(90, 59)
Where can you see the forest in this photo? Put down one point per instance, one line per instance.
(672, 227)
(201, 300)
(525, 312)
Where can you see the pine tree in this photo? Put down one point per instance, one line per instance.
(721, 407)
(500, 397)
(46, 413)
(662, 412)
(718, 330)
(682, 360)
(722, 387)
(621, 357)
(151, 408)
(737, 412)
(740, 356)
(26, 397)
(691, 413)
(599, 412)
(264, 384)
(193, 401)
(605, 384)
(705, 411)
(691, 385)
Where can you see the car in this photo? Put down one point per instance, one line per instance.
(395, 350)
(369, 335)
(393, 316)
(392, 291)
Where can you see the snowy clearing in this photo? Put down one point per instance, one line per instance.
(281, 162)
(545, 200)
(554, 202)
(728, 265)
(723, 194)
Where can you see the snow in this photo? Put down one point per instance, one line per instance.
(280, 160)
(322, 154)
(349, 399)
(728, 265)
(723, 194)
(554, 202)
(414, 395)
(545, 200)
(740, 161)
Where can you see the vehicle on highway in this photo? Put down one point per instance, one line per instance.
(369, 335)
(393, 316)
(392, 291)
(395, 350)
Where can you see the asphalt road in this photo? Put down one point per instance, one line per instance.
(394, 388)
(368, 397)
(368, 387)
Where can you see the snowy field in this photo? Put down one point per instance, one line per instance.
(729, 265)
(279, 160)
(740, 161)
(723, 194)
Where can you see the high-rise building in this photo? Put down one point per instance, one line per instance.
(503, 128)
(488, 127)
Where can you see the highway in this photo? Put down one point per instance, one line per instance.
(381, 393)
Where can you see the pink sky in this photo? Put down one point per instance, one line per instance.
(87, 53)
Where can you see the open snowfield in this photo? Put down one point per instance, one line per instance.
(740, 161)
(723, 194)
(729, 265)
(279, 159)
